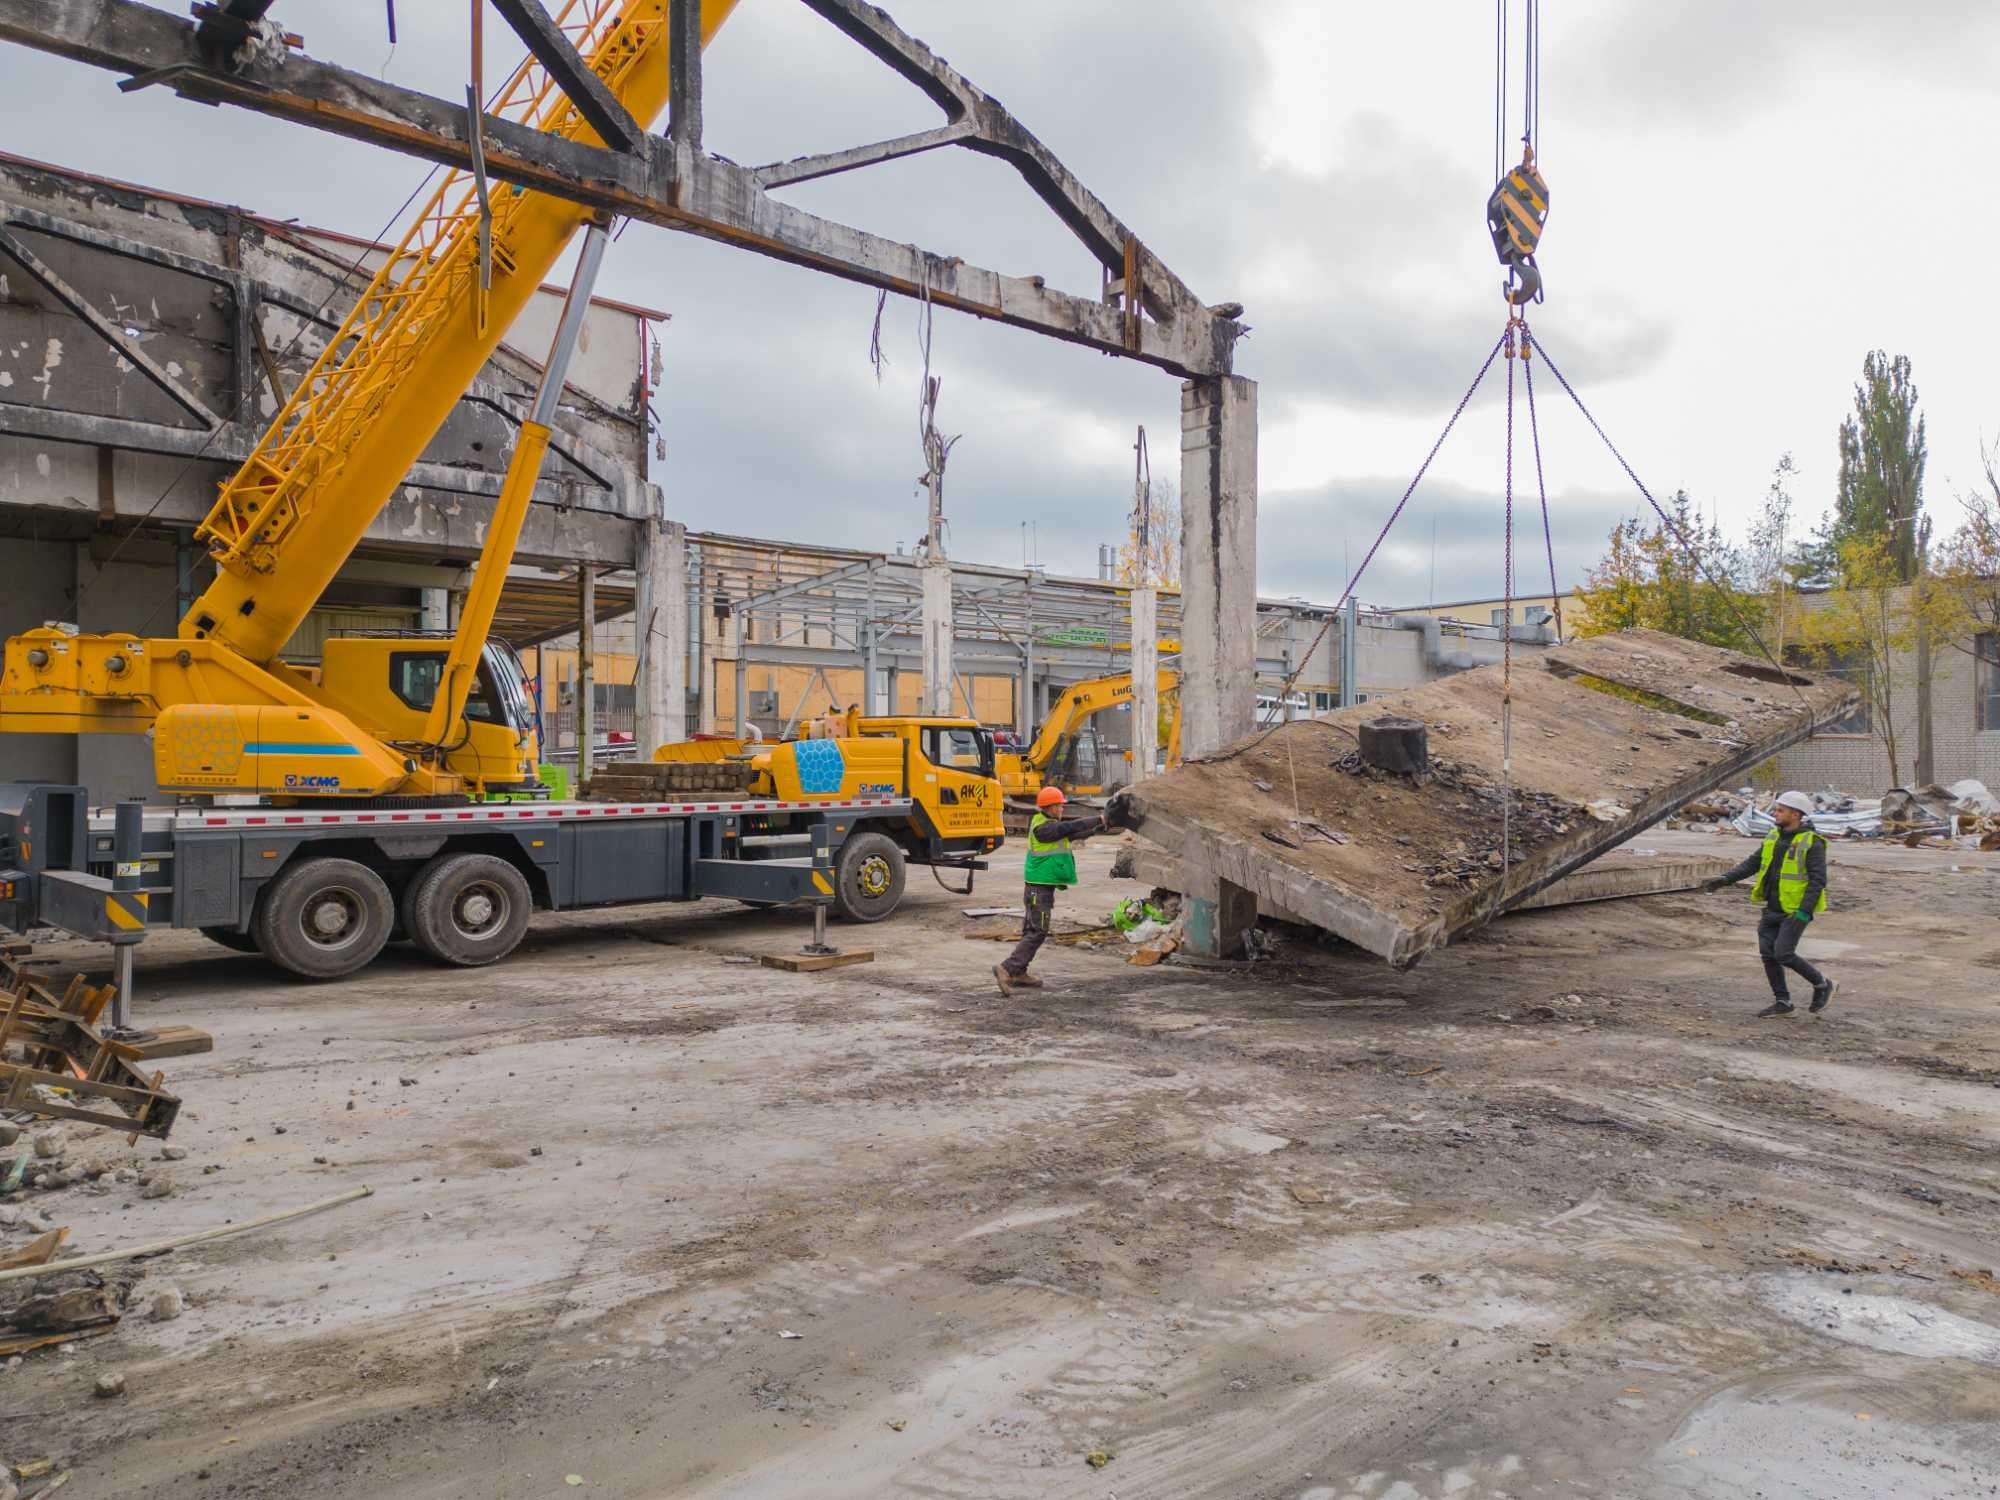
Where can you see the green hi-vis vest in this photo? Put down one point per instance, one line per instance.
(1048, 864)
(1791, 874)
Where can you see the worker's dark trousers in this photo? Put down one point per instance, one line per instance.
(1778, 946)
(1039, 909)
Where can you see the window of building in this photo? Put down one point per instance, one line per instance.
(1322, 702)
(1499, 617)
(1986, 680)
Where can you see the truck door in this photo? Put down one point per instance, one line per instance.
(966, 800)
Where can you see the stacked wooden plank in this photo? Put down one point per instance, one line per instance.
(651, 780)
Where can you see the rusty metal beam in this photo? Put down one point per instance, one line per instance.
(675, 185)
(828, 163)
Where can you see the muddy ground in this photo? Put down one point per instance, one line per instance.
(1551, 1215)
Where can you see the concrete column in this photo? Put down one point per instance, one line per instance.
(740, 628)
(1350, 652)
(1217, 912)
(434, 609)
(1026, 716)
(660, 624)
(1218, 562)
(937, 636)
(1145, 681)
(586, 674)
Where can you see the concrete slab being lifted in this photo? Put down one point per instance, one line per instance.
(1610, 735)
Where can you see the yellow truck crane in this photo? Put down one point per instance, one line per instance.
(374, 768)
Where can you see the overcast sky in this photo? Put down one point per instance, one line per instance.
(1746, 197)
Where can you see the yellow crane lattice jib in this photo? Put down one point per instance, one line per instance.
(371, 401)
(413, 281)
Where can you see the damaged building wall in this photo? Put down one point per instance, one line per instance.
(146, 340)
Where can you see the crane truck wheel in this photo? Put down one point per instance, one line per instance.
(468, 909)
(868, 879)
(324, 918)
(230, 938)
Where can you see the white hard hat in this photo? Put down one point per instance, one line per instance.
(1797, 801)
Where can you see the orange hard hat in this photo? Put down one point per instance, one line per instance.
(1049, 796)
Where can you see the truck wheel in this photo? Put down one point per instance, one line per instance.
(230, 938)
(324, 918)
(469, 909)
(868, 880)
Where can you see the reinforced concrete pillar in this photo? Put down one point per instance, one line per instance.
(1145, 681)
(660, 624)
(434, 609)
(1218, 562)
(586, 674)
(1350, 652)
(937, 628)
(1216, 912)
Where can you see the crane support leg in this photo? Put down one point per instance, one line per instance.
(482, 600)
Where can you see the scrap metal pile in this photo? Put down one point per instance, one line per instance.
(1610, 736)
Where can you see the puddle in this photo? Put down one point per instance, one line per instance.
(1787, 1445)
(1025, 1218)
(1893, 1325)
(1241, 1140)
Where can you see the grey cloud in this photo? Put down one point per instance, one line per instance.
(1308, 541)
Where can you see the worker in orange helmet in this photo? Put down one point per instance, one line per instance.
(1050, 868)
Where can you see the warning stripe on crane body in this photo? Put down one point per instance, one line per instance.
(525, 812)
(125, 911)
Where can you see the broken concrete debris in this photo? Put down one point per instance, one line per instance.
(1638, 721)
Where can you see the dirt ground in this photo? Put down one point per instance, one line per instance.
(1550, 1215)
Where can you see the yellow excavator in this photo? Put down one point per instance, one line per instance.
(1066, 751)
(384, 716)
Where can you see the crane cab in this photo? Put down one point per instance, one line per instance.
(387, 683)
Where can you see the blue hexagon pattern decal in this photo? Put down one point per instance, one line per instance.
(821, 766)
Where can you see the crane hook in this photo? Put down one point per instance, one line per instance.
(1515, 214)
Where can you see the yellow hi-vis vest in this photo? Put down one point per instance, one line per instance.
(1791, 874)
(1048, 864)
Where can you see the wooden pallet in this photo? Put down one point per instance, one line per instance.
(812, 963)
(50, 1042)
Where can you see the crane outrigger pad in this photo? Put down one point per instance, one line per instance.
(1610, 735)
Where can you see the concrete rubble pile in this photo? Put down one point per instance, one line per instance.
(1609, 736)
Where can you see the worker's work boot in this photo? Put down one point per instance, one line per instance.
(1776, 1008)
(1823, 992)
(1005, 980)
(1025, 981)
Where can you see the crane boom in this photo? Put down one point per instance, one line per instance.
(381, 715)
(378, 393)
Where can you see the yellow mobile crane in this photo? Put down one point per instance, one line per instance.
(382, 716)
(392, 740)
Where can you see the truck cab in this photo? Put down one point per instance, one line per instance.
(945, 767)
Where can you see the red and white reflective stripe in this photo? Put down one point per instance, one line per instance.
(527, 812)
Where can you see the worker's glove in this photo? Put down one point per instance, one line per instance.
(1800, 917)
(1118, 811)
(1713, 884)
